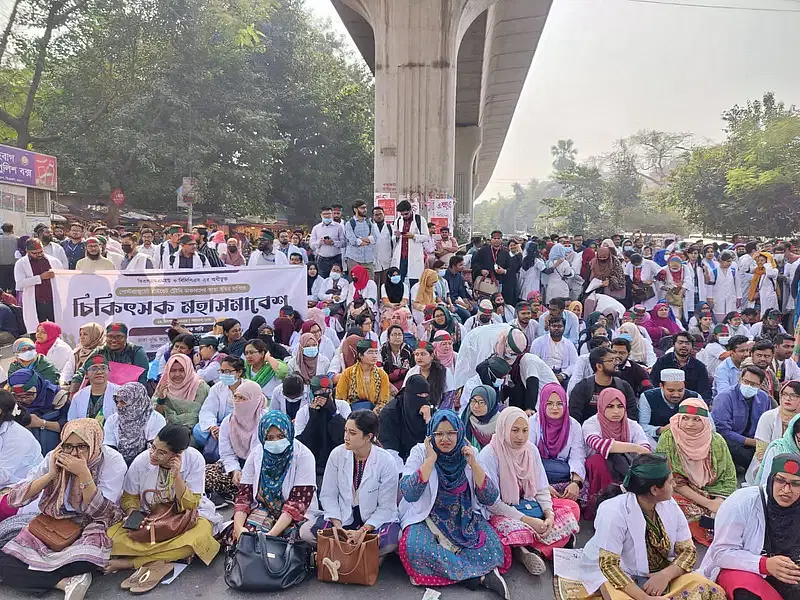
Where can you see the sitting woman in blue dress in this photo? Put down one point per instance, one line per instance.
(446, 538)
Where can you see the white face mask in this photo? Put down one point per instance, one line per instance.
(395, 279)
(276, 446)
(442, 272)
(748, 391)
(724, 340)
(335, 276)
(27, 355)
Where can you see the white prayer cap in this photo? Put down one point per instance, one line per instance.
(673, 375)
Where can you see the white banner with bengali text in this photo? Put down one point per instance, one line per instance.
(149, 301)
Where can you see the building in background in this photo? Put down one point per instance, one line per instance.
(28, 184)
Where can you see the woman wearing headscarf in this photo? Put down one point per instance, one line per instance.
(641, 348)
(443, 350)
(283, 326)
(253, 331)
(662, 323)
(480, 416)
(511, 287)
(81, 480)
(134, 423)
(440, 379)
(576, 308)
(607, 268)
(768, 327)
(238, 435)
(756, 537)
(525, 516)
(558, 280)
(443, 320)
(46, 404)
(528, 372)
(763, 292)
(322, 422)
(313, 283)
(613, 440)
(91, 337)
(445, 538)
(397, 357)
(423, 294)
(326, 347)
(676, 287)
(559, 439)
(736, 326)
(363, 291)
(587, 256)
(170, 472)
(530, 274)
(788, 442)
(405, 418)
(701, 465)
(307, 360)
(50, 345)
(278, 481)
(26, 357)
(232, 255)
(180, 392)
(394, 295)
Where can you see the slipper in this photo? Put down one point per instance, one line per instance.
(128, 582)
(151, 577)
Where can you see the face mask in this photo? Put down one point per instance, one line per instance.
(748, 391)
(127, 249)
(395, 279)
(27, 355)
(228, 380)
(276, 446)
(724, 340)
(311, 351)
(442, 272)
(327, 221)
(335, 276)
(326, 312)
(778, 257)
(498, 383)
(232, 249)
(626, 336)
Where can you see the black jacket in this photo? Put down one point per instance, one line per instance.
(696, 374)
(583, 404)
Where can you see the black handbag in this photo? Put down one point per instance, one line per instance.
(264, 563)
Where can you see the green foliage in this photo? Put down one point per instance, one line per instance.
(515, 213)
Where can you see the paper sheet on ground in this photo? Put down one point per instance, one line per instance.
(179, 568)
(567, 563)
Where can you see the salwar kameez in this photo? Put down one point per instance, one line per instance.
(514, 532)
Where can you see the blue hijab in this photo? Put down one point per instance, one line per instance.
(27, 379)
(274, 466)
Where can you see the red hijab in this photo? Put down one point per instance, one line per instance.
(53, 332)
(360, 280)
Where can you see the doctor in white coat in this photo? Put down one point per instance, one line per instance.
(32, 311)
(414, 239)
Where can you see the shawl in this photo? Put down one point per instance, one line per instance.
(601, 265)
(360, 277)
(307, 367)
(255, 325)
(310, 281)
(283, 328)
(244, 418)
(694, 449)
(516, 466)
(554, 433)
(349, 349)
(235, 348)
(638, 349)
(238, 259)
(427, 282)
(53, 332)
(447, 358)
(656, 323)
(784, 444)
(45, 391)
(752, 292)
(274, 467)
(479, 430)
(186, 388)
(558, 251)
(358, 390)
(389, 363)
(133, 417)
(96, 335)
(400, 317)
(52, 500)
(612, 430)
(263, 376)
(394, 291)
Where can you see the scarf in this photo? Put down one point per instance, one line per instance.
(274, 467)
(656, 323)
(611, 430)
(601, 265)
(283, 328)
(255, 325)
(394, 291)
(694, 449)
(427, 281)
(358, 390)
(316, 315)
(400, 317)
(52, 500)
(307, 367)
(262, 377)
(133, 419)
(784, 539)
(96, 337)
(29, 379)
(758, 273)
(235, 348)
(234, 260)
(450, 326)
(516, 466)
(638, 350)
(479, 430)
(186, 388)
(324, 430)
(53, 332)
(414, 426)
(553, 433)
(360, 277)
(446, 357)
(783, 445)
(349, 349)
(587, 257)
(245, 416)
(310, 281)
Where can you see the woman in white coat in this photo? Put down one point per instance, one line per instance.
(558, 280)
(278, 481)
(764, 284)
(642, 273)
(19, 450)
(134, 424)
(642, 547)
(726, 291)
(219, 402)
(50, 345)
(359, 487)
(756, 538)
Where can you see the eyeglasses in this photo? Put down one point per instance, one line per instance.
(790, 396)
(70, 448)
(785, 483)
(98, 369)
(446, 435)
(160, 454)
(478, 402)
(228, 371)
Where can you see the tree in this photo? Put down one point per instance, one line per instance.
(564, 155)
(579, 208)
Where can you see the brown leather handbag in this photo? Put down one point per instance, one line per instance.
(342, 561)
(56, 534)
(164, 522)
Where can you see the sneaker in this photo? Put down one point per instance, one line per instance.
(531, 560)
(77, 586)
(494, 582)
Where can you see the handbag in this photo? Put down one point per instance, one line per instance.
(347, 563)
(485, 286)
(56, 534)
(557, 470)
(263, 563)
(641, 294)
(164, 522)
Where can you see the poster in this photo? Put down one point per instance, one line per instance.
(387, 202)
(27, 168)
(148, 301)
(440, 211)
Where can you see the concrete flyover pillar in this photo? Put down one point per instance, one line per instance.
(416, 51)
(468, 141)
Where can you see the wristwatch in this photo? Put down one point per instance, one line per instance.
(83, 486)
(43, 425)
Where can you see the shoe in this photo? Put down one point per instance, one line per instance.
(77, 586)
(494, 582)
(531, 560)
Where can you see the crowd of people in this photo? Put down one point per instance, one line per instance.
(470, 407)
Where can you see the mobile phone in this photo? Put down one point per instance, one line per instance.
(134, 521)
(327, 237)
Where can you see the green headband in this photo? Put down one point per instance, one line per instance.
(786, 463)
(511, 343)
(649, 471)
(693, 410)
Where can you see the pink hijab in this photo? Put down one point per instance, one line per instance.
(611, 430)
(694, 449)
(516, 467)
(316, 315)
(307, 367)
(555, 432)
(447, 359)
(246, 416)
(186, 389)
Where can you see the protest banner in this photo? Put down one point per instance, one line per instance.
(149, 301)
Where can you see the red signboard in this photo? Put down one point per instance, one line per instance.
(117, 197)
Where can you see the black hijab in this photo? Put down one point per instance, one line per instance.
(783, 533)
(402, 427)
(324, 431)
(252, 331)
(394, 291)
(311, 280)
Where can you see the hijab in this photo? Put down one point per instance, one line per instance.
(618, 431)
(46, 392)
(516, 466)
(274, 467)
(414, 426)
(53, 332)
(481, 429)
(237, 259)
(325, 428)
(554, 433)
(394, 291)
(316, 315)
(638, 349)
(255, 325)
(427, 281)
(97, 337)
(784, 538)
(587, 256)
(306, 367)
(573, 305)
(133, 419)
(656, 323)
(360, 277)
(186, 388)
(447, 358)
(784, 444)
(283, 327)
(558, 251)
(694, 449)
(310, 281)
(601, 266)
(245, 417)
(400, 317)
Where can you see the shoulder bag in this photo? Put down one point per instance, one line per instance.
(263, 563)
(485, 286)
(342, 561)
(164, 522)
(56, 534)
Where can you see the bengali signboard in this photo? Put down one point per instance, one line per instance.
(30, 169)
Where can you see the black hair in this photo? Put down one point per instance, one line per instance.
(377, 207)
(597, 356)
(403, 206)
(390, 329)
(782, 337)
(750, 312)
(172, 334)
(229, 324)
(438, 264)
(522, 305)
(293, 385)
(367, 422)
(455, 260)
(559, 303)
(7, 404)
(750, 246)
(736, 341)
(176, 437)
(636, 485)
(7, 228)
(621, 342)
(359, 320)
(147, 230)
(358, 203)
(496, 231)
(186, 338)
(324, 207)
(763, 345)
(297, 254)
(758, 372)
(236, 363)
(596, 342)
(556, 320)
(683, 334)
(259, 345)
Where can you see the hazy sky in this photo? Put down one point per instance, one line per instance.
(605, 69)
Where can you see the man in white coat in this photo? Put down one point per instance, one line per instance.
(187, 257)
(411, 235)
(168, 247)
(133, 259)
(726, 292)
(50, 248)
(33, 274)
(384, 245)
(266, 254)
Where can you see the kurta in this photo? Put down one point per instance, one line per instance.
(184, 412)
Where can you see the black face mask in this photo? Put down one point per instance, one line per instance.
(232, 249)
(127, 249)
(485, 318)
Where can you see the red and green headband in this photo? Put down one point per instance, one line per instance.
(692, 410)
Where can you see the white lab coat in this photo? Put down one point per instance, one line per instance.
(476, 346)
(327, 349)
(217, 405)
(377, 494)
(19, 453)
(302, 471)
(581, 369)
(155, 423)
(541, 347)
(416, 247)
(449, 380)
(63, 358)
(55, 250)
(138, 262)
(574, 451)
(726, 291)
(531, 280)
(370, 294)
(767, 289)
(738, 534)
(162, 254)
(620, 528)
(322, 365)
(384, 246)
(228, 456)
(26, 283)
(788, 272)
(302, 416)
(747, 264)
(256, 261)
(80, 402)
(649, 271)
(324, 296)
(558, 282)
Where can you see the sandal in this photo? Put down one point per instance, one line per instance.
(128, 582)
(152, 576)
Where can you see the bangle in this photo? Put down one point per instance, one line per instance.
(83, 486)
(762, 566)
